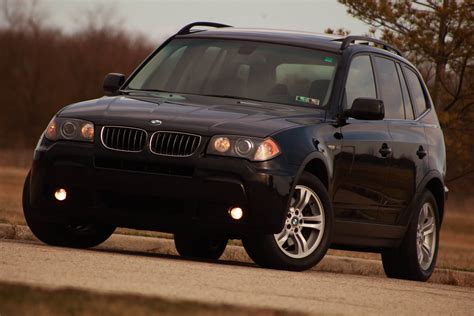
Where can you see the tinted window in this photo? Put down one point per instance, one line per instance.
(416, 91)
(360, 80)
(390, 89)
(406, 97)
(301, 79)
(242, 69)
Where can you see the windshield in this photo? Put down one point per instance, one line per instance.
(240, 69)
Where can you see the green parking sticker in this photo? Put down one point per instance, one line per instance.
(328, 59)
(307, 100)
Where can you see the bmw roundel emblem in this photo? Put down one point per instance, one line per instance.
(156, 122)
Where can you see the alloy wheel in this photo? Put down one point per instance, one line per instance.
(426, 236)
(304, 225)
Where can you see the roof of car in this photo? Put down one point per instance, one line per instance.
(297, 38)
(331, 43)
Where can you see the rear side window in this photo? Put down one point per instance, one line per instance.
(390, 89)
(360, 80)
(416, 91)
(406, 97)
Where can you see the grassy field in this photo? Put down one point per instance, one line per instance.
(457, 234)
(19, 299)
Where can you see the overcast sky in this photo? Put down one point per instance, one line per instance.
(160, 18)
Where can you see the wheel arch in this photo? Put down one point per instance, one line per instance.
(436, 187)
(317, 164)
(434, 183)
(318, 168)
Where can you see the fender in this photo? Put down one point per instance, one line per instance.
(406, 217)
(319, 154)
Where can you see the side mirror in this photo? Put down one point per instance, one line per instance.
(113, 82)
(366, 109)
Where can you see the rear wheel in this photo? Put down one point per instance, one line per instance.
(75, 235)
(306, 235)
(199, 245)
(415, 259)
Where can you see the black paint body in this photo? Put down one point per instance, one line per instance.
(372, 194)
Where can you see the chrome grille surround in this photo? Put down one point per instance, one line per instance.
(123, 138)
(174, 144)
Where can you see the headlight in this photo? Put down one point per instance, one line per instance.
(70, 129)
(252, 148)
(221, 144)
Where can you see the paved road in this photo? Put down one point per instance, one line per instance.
(111, 269)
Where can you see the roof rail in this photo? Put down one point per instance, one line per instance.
(347, 41)
(187, 28)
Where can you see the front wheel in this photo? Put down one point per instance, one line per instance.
(199, 245)
(415, 258)
(306, 235)
(74, 235)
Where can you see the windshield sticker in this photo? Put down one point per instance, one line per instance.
(328, 59)
(307, 100)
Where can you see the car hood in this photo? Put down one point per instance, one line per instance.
(194, 114)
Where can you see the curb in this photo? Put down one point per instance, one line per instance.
(16, 232)
(330, 263)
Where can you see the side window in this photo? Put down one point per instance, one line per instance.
(360, 80)
(406, 97)
(416, 91)
(390, 88)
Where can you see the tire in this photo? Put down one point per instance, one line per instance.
(83, 235)
(199, 245)
(403, 262)
(301, 223)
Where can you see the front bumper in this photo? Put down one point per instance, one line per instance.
(147, 191)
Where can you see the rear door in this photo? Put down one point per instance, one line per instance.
(408, 143)
(360, 169)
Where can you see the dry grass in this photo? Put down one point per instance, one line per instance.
(11, 187)
(16, 299)
(18, 158)
(456, 246)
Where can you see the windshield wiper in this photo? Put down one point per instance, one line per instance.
(143, 92)
(229, 97)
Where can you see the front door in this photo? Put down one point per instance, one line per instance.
(361, 167)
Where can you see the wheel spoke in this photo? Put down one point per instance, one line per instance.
(313, 222)
(301, 244)
(429, 222)
(428, 230)
(426, 252)
(315, 218)
(305, 195)
(420, 253)
(283, 237)
(316, 226)
(425, 212)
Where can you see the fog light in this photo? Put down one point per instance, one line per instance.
(60, 194)
(236, 213)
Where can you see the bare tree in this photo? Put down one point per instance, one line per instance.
(25, 15)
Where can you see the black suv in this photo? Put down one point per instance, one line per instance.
(293, 142)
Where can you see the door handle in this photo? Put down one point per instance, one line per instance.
(385, 151)
(421, 153)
